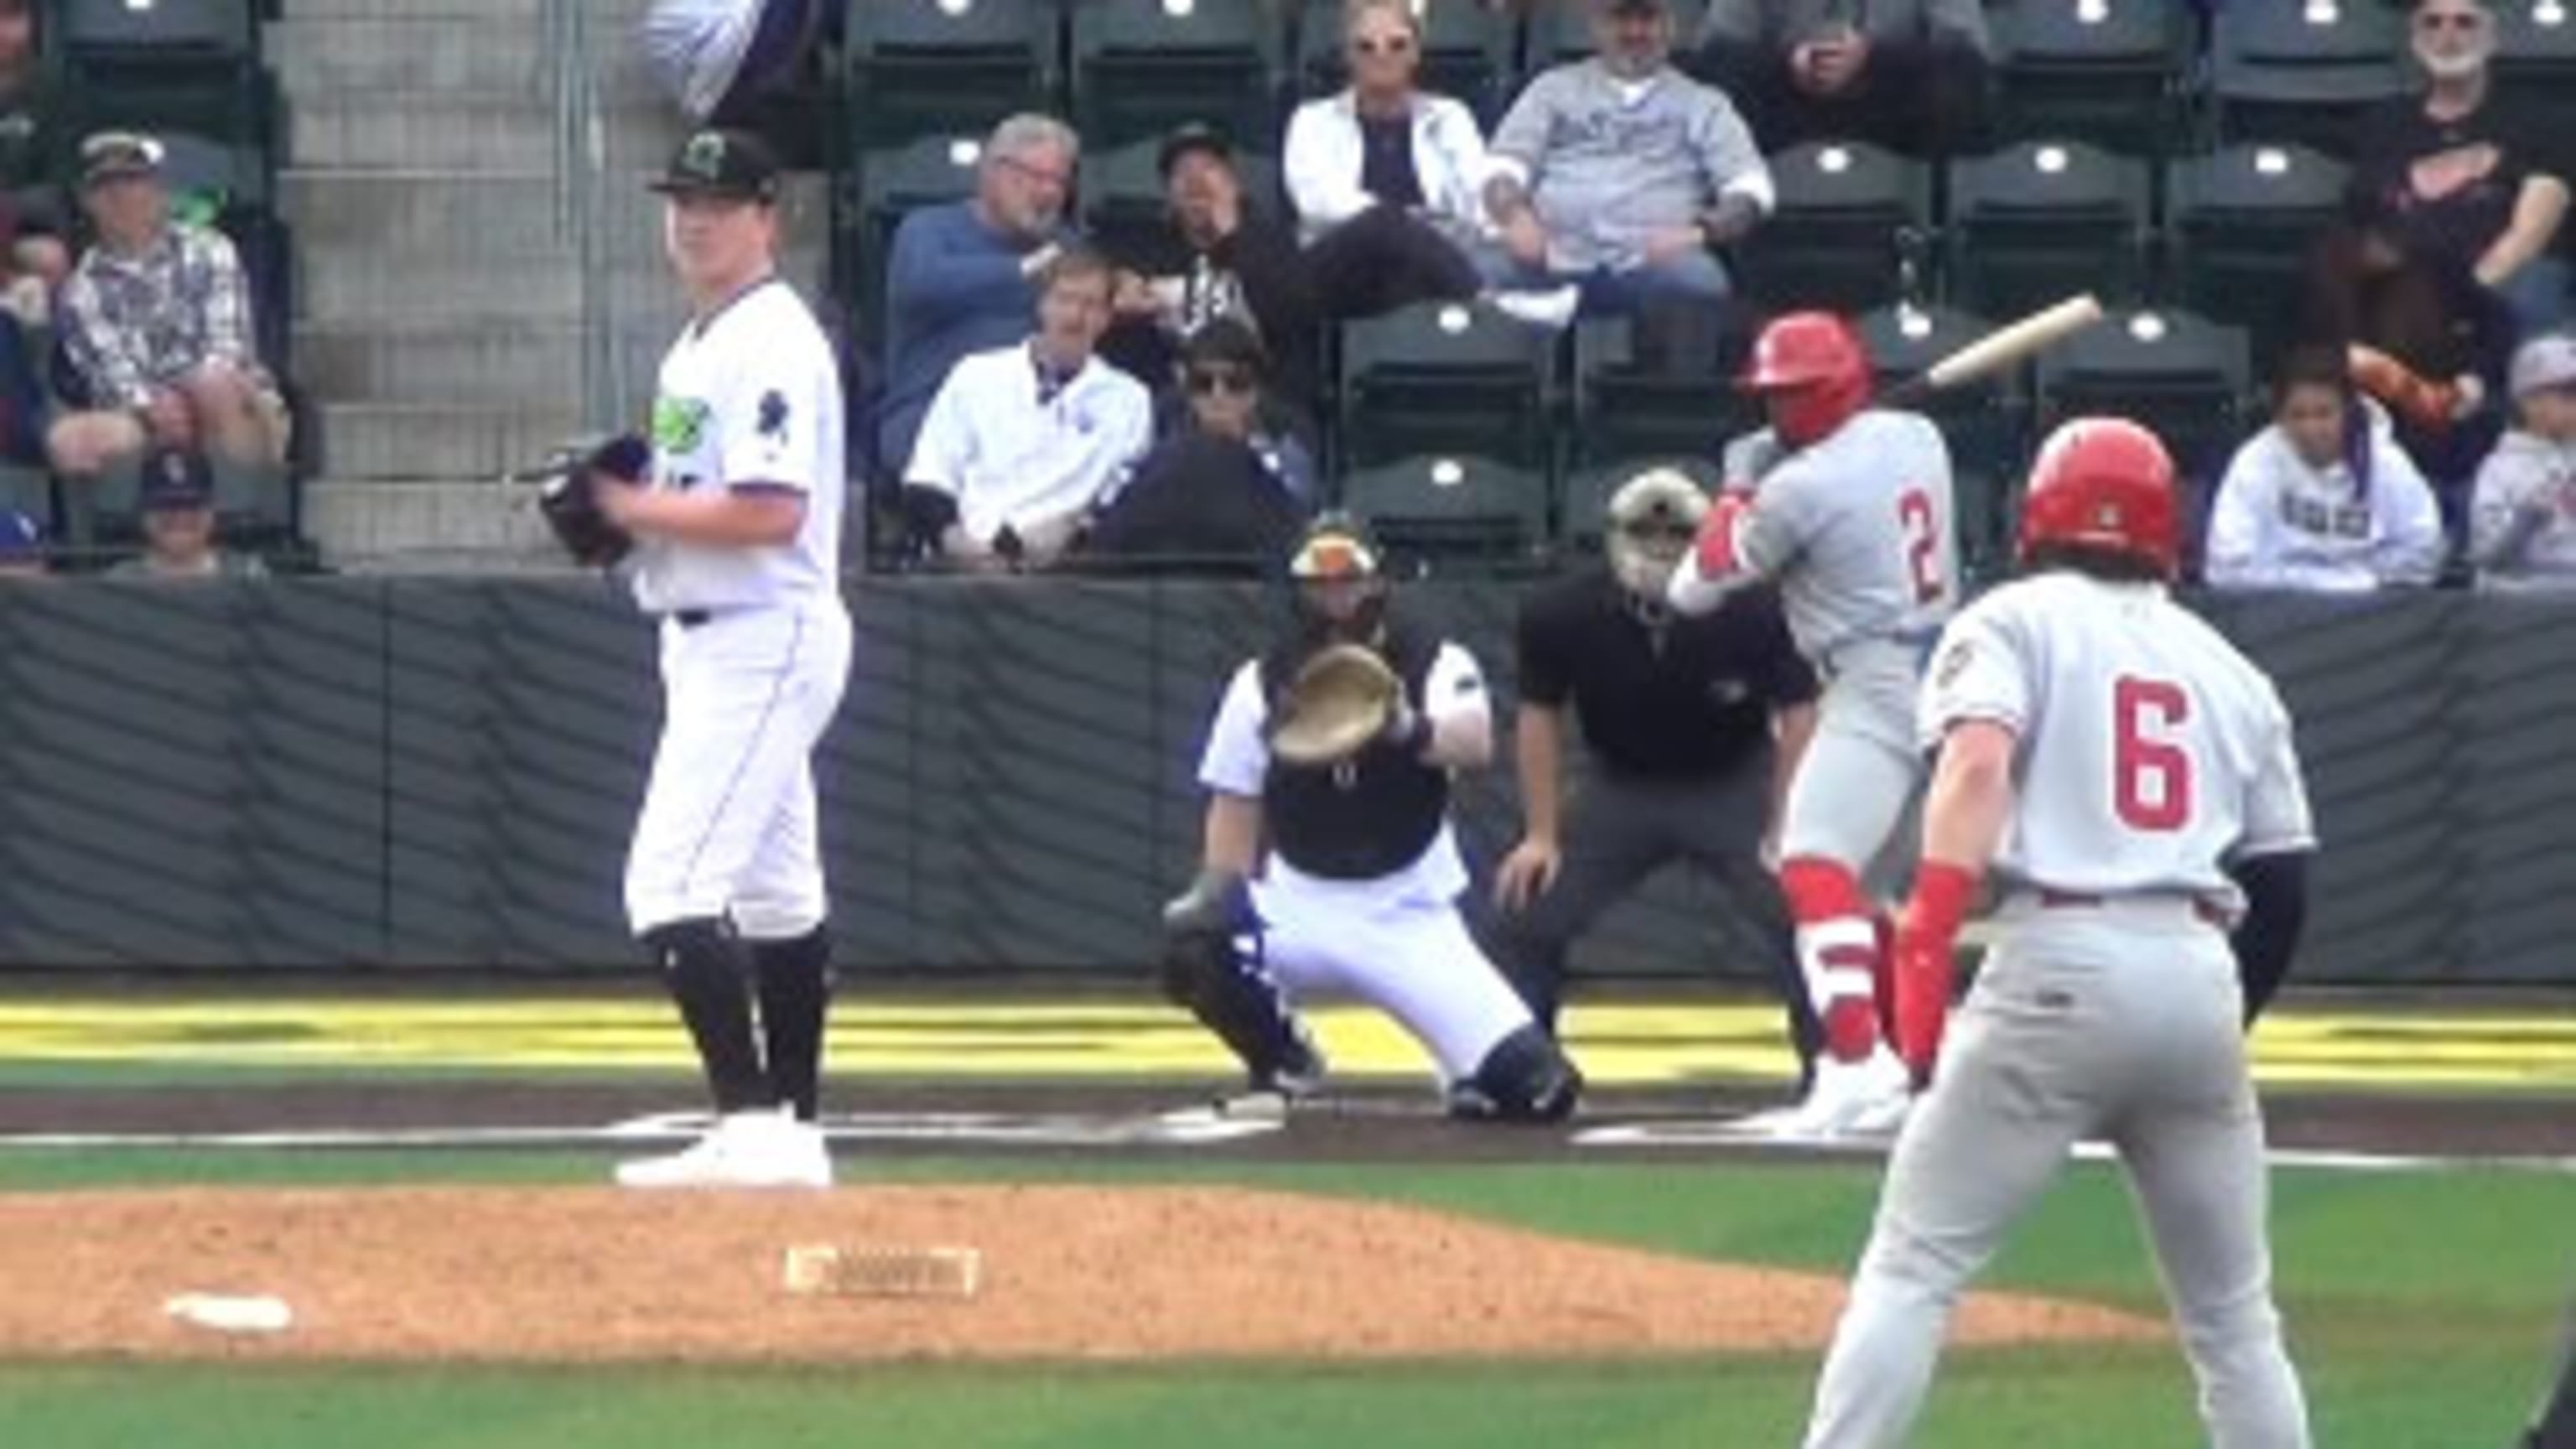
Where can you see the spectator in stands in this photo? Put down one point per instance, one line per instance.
(1621, 174)
(2323, 500)
(33, 257)
(2523, 525)
(727, 62)
(1388, 182)
(1220, 256)
(156, 321)
(1907, 74)
(1224, 487)
(1025, 442)
(2463, 173)
(963, 276)
(22, 546)
(178, 503)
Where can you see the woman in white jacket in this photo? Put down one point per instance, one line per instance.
(2323, 500)
(1388, 180)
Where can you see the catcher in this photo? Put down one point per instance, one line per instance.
(1337, 745)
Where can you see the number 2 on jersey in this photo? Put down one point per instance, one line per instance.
(2150, 774)
(1922, 543)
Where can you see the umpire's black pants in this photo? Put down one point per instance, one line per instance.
(1616, 833)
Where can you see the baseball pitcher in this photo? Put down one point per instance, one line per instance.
(736, 551)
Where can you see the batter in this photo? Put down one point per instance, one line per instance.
(738, 555)
(2132, 779)
(1854, 523)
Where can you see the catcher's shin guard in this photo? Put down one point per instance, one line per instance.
(1526, 1077)
(1212, 966)
(709, 979)
(1841, 952)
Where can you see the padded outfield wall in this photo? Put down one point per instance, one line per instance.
(375, 775)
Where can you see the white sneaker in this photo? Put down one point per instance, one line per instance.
(744, 1149)
(1867, 1098)
(1551, 307)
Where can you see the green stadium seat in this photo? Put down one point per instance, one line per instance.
(2104, 71)
(1143, 67)
(1446, 377)
(2535, 60)
(1845, 208)
(1467, 52)
(1625, 411)
(938, 67)
(207, 29)
(2240, 225)
(2303, 71)
(1447, 510)
(2043, 220)
(2186, 377)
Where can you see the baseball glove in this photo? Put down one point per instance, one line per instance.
(570, 501)
(1340, 701)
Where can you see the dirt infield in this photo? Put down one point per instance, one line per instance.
(1071, 1273)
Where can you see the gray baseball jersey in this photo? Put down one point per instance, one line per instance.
(2150, 753)
(1857, 531)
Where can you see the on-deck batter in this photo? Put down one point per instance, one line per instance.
(738, 555)
(2133, 781)
(1854, 524)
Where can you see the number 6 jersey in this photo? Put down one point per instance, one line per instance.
(2152, 752)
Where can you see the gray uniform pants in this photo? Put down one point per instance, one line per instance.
(2122, 1021)
(1617, 832)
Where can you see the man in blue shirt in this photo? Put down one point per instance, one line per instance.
(963, 277)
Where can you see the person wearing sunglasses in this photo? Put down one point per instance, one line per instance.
(1227, 488)
(2467, 174)
(1692, 726)
(1386, 179)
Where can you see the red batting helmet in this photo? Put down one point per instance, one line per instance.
(2103, 483)
(1815, 369)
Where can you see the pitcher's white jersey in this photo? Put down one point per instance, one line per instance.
(2152, 752)
(750, 396)
(1858, 530)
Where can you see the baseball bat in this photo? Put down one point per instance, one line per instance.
(2001, 348)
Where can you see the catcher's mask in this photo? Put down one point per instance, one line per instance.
(1339, 582)
(1653, 518)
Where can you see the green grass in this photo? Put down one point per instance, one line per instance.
(2421, 1307)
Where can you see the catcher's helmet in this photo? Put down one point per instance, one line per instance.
(1339, 579)
(2105, 484)
(1814, 370)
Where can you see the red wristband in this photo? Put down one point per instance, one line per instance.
(1943, 895)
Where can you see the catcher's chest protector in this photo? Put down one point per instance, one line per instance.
(1370, 815)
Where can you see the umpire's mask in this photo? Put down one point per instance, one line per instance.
(1653, 518)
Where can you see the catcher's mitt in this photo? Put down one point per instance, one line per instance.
(570, 502)
(1340, 701)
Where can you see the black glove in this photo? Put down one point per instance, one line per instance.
(570, 502)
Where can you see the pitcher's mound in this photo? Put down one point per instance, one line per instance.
(505, 1275)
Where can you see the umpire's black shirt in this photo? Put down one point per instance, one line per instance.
(1678, 699)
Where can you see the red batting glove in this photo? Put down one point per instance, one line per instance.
(1716, 546)
(1925, 964)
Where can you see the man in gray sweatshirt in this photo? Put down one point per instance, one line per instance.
(1621, 174)
(2522, 520)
